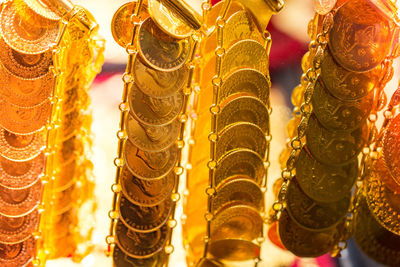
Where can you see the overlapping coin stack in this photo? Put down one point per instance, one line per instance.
(36, 200)
(227, 182)
(345, 71)
(160, 47)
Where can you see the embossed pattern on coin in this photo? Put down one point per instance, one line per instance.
(158, 84)
(391, 148)
(146, 192)
(338, 115)
(161, 51)
(359, 42)
(141, 245)
(152, 138)
(324, 183)
(150, 165)
(234, 249)
(154, 111)
(123, 260)
(19, 254)
(144, 219)
(41, 9)
(18, 229)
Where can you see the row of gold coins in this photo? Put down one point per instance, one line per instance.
(157, 87)
(231, 171)
(341, 88)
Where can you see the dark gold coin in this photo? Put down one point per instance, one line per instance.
(123, 260)
(248, 81)
(236, 220)
(324, 183)
(22, 120)
(18, 229)
(144, 219)
(23, 36)
(19, 254)
(25, 66)
(378, 243)
(243, 108)
(154, 111)
(152, 138)
(150, 165)
(334, 147)
(17, 203)
(360, 43)
(338, 115)
(234, 249)
(158, 84)
(304, 243)
(141, 245)
(21, 147)
(391, 148)
(241, 135)
(240, 162)
(344, 84)
(20, 175)
(203, 262)
(312, 215)
(242, 189)
(161, 51)
(122, 24)
(145, 192)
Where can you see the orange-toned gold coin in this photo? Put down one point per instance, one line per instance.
(41, 9)
(20, 254)
(123, 260)
(209, 263)
(66, 175)
(150, 165)
(22, 120)
(391, 148)
(70, 123)
(64, 200)
(141, 245)
(234, 249)
(21, 147)
(72, 98)
(18, 229)
(146, 192)
(17, 203)
(20, 175)
(154, 111)
(360, 43)
(69, 149)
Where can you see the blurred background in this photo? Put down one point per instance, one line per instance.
(290, 41)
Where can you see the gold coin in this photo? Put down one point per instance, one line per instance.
(72, 99)
(25, 93)
(144, 192)
(20, 175)
(378, 243)
(154, 111)
(324, 183)
(122, 24)
(242, 189)
(70, 123)
(248, 81)
(335, 114)
(168, 21)
(312, 215)
(66, 175)
(240, 162)
(123, 260)
(144, 219)
(21, 147)
(391, 148)
(23, 36)
(304, 243)
(20, 120)
(41, 9)
(360, 43)
(215, 12)
(59, 224)
(24, 66)
(234, 249)
(347, 85)
(18, 229)
(161, 51)
(334, 147)
(64, 200)
(243, 108)
(241, 135)
(209, 263)
(236, 220)
(141, 245)
(150, 165)
(152, 138)
(20, 254)
(159, 84)
(17, 203)
(68, 149)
